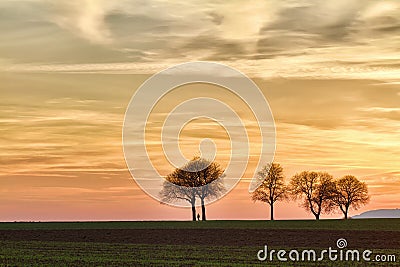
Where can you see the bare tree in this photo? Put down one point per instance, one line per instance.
(171, 192)
(199, 178)
(272, 188)
(315, 189)
(350, 193)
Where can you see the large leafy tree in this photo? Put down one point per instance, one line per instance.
(272, 188)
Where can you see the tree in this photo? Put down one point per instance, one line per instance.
(350, 193)
(172, 192)
(199, 178)
(272, 188)
(316, 189)
(204, 174)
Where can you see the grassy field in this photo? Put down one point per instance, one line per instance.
(40, 244)
(359, 224)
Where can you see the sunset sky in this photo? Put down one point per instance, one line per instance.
(330, 71)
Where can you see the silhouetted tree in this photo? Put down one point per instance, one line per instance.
(197, 178)
(316, 189)
(349, 193)
(207, 174)
(171, 192)
(272, 188)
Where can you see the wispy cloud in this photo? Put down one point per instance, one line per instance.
(380, 109)
(340, 39)
(86, 18)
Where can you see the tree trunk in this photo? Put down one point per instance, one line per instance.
(193, 212)
(346, 212)
(272, 211)
(312, 209)
(203, 210)
(343, 211)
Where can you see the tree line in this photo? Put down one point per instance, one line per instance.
(318, 192)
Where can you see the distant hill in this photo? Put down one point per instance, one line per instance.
(382, 213)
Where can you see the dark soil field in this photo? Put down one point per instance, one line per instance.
(219, 237)
(225, 243)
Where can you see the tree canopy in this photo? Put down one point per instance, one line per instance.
(350, 193)
(198, 178)
(315, 189)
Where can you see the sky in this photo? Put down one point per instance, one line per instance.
(330, 71)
